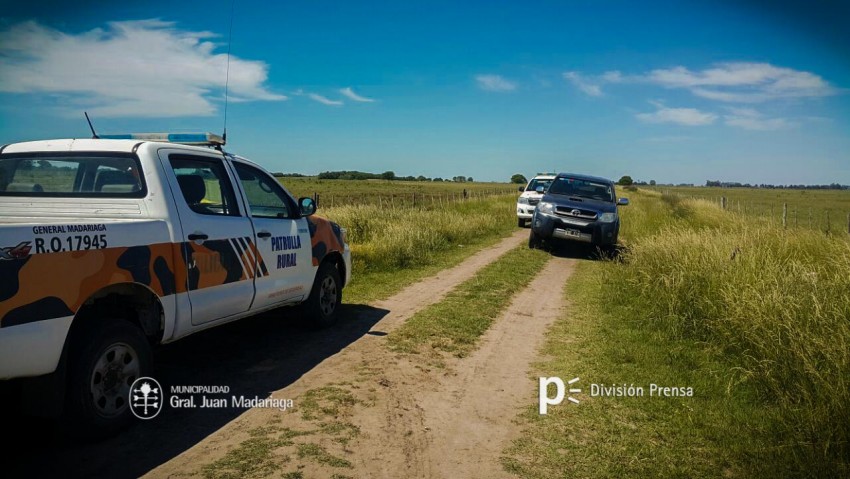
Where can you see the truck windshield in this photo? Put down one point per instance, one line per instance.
(582, 188)
(535, 183)
(78, 175)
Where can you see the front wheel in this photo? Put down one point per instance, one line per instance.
(534, 241)
(105, 359)
(520, 223)
(326, 296)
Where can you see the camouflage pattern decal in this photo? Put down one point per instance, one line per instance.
(325, 236)
(52, 285)
(36, 287)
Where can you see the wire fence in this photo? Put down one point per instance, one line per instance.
(408, 200)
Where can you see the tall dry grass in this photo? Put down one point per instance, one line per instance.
(775, 303)
(385, 239)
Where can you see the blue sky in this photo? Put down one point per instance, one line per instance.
(673, 91)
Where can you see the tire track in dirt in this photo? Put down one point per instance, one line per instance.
(455, 422)
(343, 366)
(470, 418)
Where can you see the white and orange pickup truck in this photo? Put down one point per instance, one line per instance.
(111, 246)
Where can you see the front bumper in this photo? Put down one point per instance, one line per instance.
(595, 232)
(524, 212)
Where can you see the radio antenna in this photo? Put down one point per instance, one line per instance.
(227, 73)
(93, 134)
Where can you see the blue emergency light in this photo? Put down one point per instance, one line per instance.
(194, 139)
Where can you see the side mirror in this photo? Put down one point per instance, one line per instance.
(540, 189)
(307, 206)
(520, 189)
(623, 201)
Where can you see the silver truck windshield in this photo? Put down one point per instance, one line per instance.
(77, 175)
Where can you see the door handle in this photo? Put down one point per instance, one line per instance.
(198, 237)
(264, 234)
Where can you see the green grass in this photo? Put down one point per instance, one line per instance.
(334, 193)
(393, 248)
(807, 209)
(754, 318)
(254, 457)
(318, 454)
(455, 324)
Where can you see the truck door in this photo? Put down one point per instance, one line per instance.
(282, 244)
(218, 280)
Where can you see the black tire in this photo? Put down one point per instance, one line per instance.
(97, 404)
(323, 304)
(534, 241)
(520, 223)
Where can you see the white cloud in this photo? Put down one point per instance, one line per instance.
(347, 91)
(146, 68)
(679, 116)
(750, 119)
(494, 83)
(583, 84)
(324, 100)
(743, 82)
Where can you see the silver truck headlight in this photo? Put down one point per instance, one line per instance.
(545, 208)
(608, 217)
(522, 200)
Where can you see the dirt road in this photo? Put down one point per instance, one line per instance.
(411, 419)
(360, 410)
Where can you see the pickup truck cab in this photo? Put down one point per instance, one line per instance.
(577, 208)
(110, 246)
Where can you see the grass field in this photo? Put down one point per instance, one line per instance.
(390, 193)
(754, 318)
(806, 208)
(392, 247)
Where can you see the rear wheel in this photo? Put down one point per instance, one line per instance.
(105, 359)
(326, 296)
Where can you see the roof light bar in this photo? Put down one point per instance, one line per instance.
(195, 139)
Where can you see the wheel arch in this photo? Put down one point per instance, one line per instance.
(132, 302)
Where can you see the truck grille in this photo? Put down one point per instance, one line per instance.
(533, 201)
(575, 213)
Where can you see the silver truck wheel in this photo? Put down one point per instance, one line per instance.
(114, 372)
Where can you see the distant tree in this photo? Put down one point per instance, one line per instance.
(469, 179)
(421, 178)
(459, 179)
(44, 164)
(651, 182)
(437, 179)
(388, 175)
(518, 179)
(625, 180)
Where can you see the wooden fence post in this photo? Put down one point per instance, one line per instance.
(723, 202)
(848, 223)
(827, 222)
(785, 215)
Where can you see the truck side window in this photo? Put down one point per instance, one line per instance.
(205, 185)
(265, 195)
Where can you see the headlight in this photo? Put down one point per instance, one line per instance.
(344, 235)
(545, 208)
(608, 217)
(522, 200)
